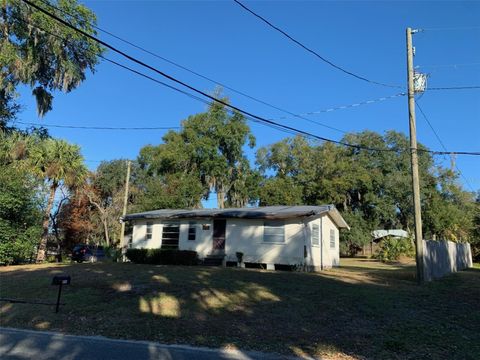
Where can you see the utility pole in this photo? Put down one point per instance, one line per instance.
(124, 212)
(414, 159)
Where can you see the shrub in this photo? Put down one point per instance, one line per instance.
(392, 249)
(162, 257)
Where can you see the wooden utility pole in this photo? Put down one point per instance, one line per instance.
(124, 212)
(414, 159)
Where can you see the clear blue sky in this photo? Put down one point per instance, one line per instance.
(222, 41)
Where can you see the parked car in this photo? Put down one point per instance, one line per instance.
(84, 252)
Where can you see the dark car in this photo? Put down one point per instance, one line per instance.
(83, 252)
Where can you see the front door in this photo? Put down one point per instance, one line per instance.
(219, 227)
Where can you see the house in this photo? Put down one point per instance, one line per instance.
(273, 236)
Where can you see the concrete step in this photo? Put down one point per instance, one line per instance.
(213, 260)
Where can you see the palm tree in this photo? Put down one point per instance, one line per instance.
(58, 163)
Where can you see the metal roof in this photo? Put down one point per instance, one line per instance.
(267, 212)
(378, 234)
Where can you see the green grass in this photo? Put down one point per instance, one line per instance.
(365, 309)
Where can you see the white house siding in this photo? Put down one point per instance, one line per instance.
(139, 239)
(332, 257)
(322, 256)
(246, 236)
(202, 243)
(203, 238)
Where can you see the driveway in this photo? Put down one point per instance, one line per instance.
(18, 344)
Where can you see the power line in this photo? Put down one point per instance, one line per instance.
(196, 73)
(442, 144)
(316, 54)
(454, 88)
(450, 28)
(301, 116)
(96, 127)
(154, 69)
(278, 127)
(348, 106)
(448, 65)
(247, 114)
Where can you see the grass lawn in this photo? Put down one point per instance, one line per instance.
(364, 309)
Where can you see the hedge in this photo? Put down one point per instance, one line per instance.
(162, 257)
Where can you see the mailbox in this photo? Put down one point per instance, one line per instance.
(61, 280)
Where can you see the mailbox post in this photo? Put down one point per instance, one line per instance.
(60, 280)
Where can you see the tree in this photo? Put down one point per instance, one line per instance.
(105, 192)
(371, 188)
(37, 51)
(205, 155)
(56, 162)
(20, 215)
(76, 220)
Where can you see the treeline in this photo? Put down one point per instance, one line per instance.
(48, 194)
(49, 200)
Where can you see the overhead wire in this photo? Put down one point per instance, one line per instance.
(470, 87)
(450, 28)
(448, 65)
(348, 106)
(263, 102)
(442, 144)
(247, 114)
(96, 127)
(311, 51)
(273, 125)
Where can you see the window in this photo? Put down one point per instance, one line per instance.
(273, 231)
(332, 238)
(170, 235)
(315, 234)
(192, 231)
(148, 234)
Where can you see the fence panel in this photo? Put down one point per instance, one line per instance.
(444, 257)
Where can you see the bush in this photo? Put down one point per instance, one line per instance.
(162, 257)
(392, 249)
(113, 253)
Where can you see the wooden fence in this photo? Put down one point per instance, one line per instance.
(444, 257)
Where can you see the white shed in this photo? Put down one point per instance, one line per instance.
(276, 235)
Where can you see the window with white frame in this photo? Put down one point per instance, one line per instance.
(192, 231)
(149, 232)
(332, 238)
(170, 235)
(274, 231)
(315, 234)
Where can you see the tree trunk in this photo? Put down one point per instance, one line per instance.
(46, 220)
(105, 229)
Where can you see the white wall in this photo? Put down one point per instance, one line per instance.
(322, 255)
(203, 239)
(246, 236)
(202, 243)
(139, 239)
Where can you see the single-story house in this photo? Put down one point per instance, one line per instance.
(274, 236)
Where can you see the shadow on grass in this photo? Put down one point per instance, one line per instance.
(354, 311)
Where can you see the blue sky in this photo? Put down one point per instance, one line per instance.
(222, 41)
